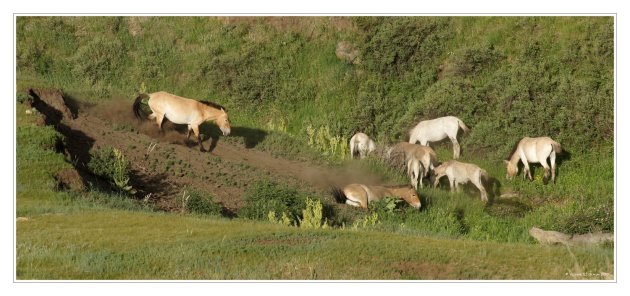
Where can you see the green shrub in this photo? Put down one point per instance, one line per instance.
(268, 196)
(110, 164)
(196, 202)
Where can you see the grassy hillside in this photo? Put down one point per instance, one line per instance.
(506, 77)
(103, 236)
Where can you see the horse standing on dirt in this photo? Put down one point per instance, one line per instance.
(438, 129)
(420, 160)
(461, 173)
(534, 150)
(180, 110)
(362, 144)
(360, 195)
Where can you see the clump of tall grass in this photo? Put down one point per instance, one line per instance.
(112, 165)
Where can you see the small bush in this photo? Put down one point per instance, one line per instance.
(591, 219)
(386, 206)
(109, 163)
(21, 97)
(267, 196)
(199, 203)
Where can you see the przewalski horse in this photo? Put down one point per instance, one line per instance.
(438, 129)
(461, 173)
(180, 110)
(534, 150)
(420, 160)
(362, 144)
(360, 195)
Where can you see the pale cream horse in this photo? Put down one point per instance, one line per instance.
(534, 150)
(180, 110)
(461, 173)
(420, 160)
(362, 144)
(438, 129)
(360, 195)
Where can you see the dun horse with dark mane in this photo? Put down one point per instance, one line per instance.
(180, 110)
(360, 195)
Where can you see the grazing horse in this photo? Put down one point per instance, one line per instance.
(181, 110)
(360, 195)
(420, 160)
(436, 130)
(460, 173)
(534, 150)
(362, 144)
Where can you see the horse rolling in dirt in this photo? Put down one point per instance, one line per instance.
(362, 144)
(360, 195)
(461, 173)
(438, 129)
(420, 160)
(180, 110)
(534, 150)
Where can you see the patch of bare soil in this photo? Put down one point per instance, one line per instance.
(164, 163)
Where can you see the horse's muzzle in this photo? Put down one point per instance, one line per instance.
(226, 132)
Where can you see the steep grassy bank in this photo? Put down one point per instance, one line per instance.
(504, 76)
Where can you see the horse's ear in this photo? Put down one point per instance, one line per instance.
(223, 110)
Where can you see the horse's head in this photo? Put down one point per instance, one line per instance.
(512, 170)
(223, 121)
(412, 198)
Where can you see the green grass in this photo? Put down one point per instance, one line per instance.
(130, 246)
(95, 235)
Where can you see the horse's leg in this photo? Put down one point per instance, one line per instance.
(189, 132)
(159, 119)
(546, 167)
(552, 158)
(195, 129)
(479, 184)
(436, 180)
(412, 173)
(452, 183)
(456, 148)
(526, 171)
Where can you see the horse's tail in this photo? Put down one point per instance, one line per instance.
(462, 125)
(371, 145)
(338, 194)
(352, 144)
(484, 175)
(137, 103)
(556, 147)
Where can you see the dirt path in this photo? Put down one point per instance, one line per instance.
(164, 164)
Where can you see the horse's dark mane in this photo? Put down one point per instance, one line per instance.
(213, 105)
